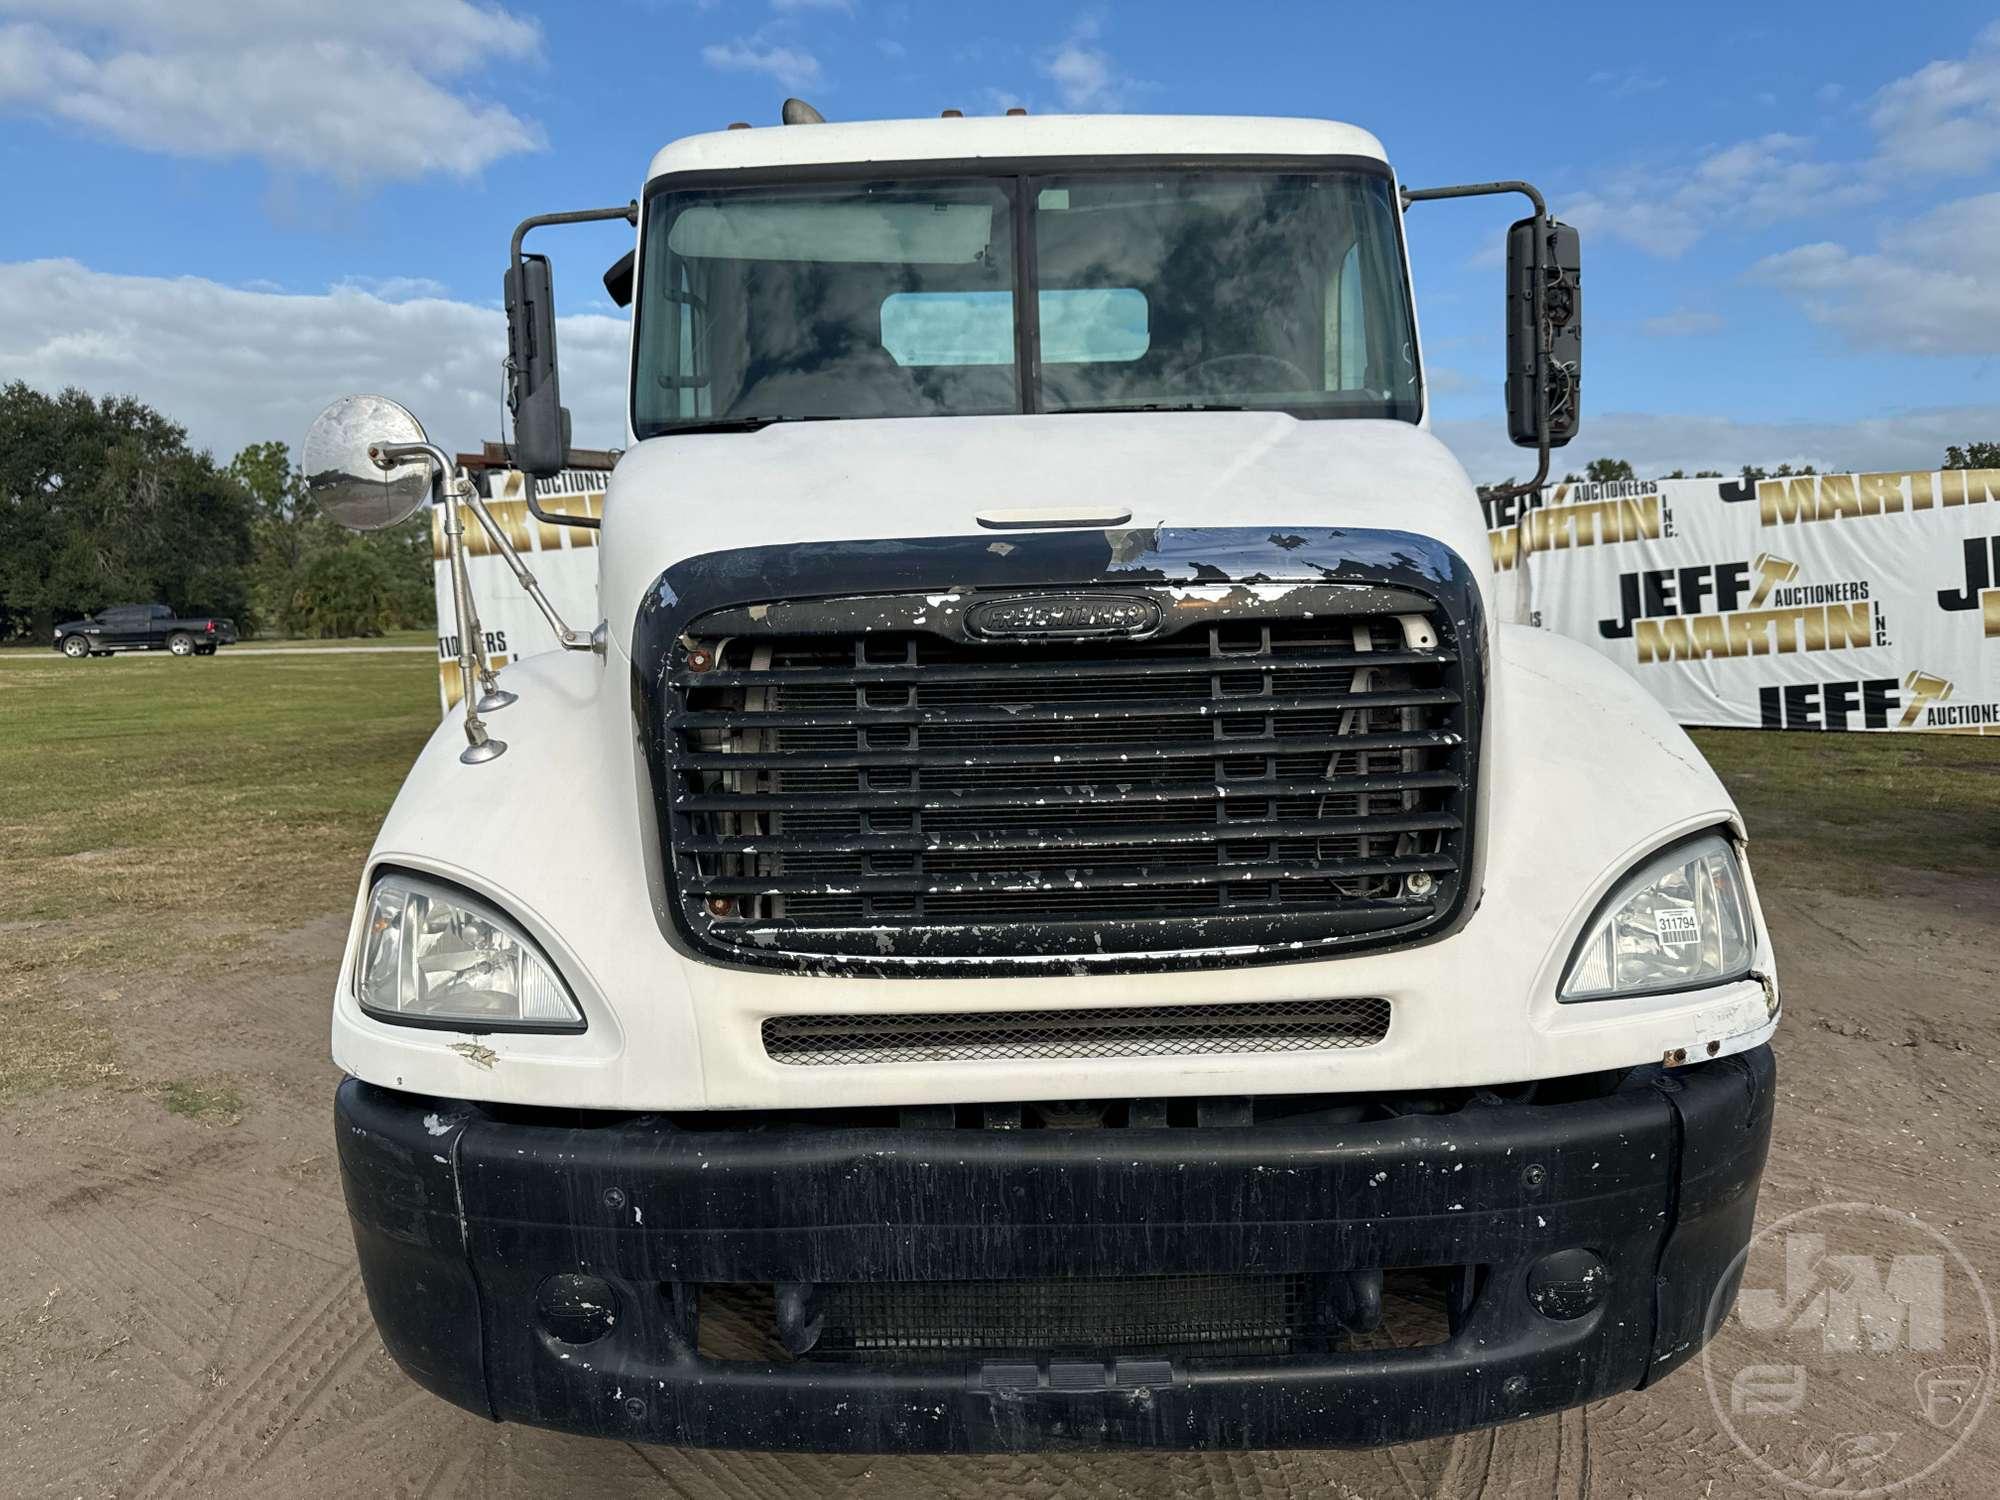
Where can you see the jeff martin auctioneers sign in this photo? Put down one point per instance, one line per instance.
(1817, 601)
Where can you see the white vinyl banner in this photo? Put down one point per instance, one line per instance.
(1819, 601)
(562, 558)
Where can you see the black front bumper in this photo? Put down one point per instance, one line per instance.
(461, 1215)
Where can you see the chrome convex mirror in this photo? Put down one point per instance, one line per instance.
(344, 475)
(368, 465)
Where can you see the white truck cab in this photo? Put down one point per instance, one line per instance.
(1056, 906)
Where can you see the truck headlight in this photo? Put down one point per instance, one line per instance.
(1681, 920)
(434, 955)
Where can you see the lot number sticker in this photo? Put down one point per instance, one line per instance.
(1677, 927)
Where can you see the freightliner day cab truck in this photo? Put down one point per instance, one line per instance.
(1054, 906)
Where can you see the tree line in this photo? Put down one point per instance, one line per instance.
(1601, 470)
(103, 502)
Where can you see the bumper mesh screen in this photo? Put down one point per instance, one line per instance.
(1214, 1315)
(1273, 1314)
(1141, 1031)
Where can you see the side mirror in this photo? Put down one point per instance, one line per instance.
(341, 471)
(1561, 321)
(540, 428)
(619, 279)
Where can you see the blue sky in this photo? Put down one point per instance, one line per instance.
(1791, 213)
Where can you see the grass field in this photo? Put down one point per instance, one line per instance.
(426, 638)
(158, 817)
(1833, 809)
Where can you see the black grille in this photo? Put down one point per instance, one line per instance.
(1270, 1314)
(861, 779)
(1214, 1315)
(1137, 1031)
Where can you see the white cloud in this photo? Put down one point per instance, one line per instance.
(1656, 444)
(237, 366)
(1759, 181)
(1624, 85)
(1929, 290)
(387, 288)
(794, 67)
(1085, 77)
(1682, 322)
(1941, 120)
(1945, 117)
(845, 7)
(364, 92)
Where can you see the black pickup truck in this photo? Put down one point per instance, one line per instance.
(143, 627)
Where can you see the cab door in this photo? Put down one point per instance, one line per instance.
(124, 626)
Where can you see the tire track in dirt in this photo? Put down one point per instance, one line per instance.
(1468, 1465)
(237, 1428)
(1044, 1476)
(409, 1444)
(176, 1187)
(449, 1470)
(92, 1184)
(335, 1252)
(172, 1280)
(1406, 1460)
(126, 1290)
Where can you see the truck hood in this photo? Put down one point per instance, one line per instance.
(676, 497)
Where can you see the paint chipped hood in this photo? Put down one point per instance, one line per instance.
(677, 497)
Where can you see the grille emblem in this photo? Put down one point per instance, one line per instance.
(1062, 617)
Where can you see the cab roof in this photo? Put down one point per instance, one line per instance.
(1012, 137)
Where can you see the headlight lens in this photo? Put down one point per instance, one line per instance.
(432, 954)
(1680, 920)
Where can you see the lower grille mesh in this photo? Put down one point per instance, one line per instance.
(1265, 1315)
(1217, 1315)
(1140, 1031)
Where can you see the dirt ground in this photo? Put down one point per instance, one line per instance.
(180, 1311)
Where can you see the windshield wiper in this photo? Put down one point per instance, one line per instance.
(721, 424)
(1163, 406)
(742, 424)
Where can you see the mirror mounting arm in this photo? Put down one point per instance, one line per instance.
(570, 640)
(474, 671)
(629, 212)
(1543, 334)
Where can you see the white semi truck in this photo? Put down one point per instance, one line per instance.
(1053, 907)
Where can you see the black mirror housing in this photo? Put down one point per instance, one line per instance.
(540, 425)
(1561, 317)
(618, 281)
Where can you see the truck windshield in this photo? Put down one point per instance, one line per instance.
(1151, 291)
